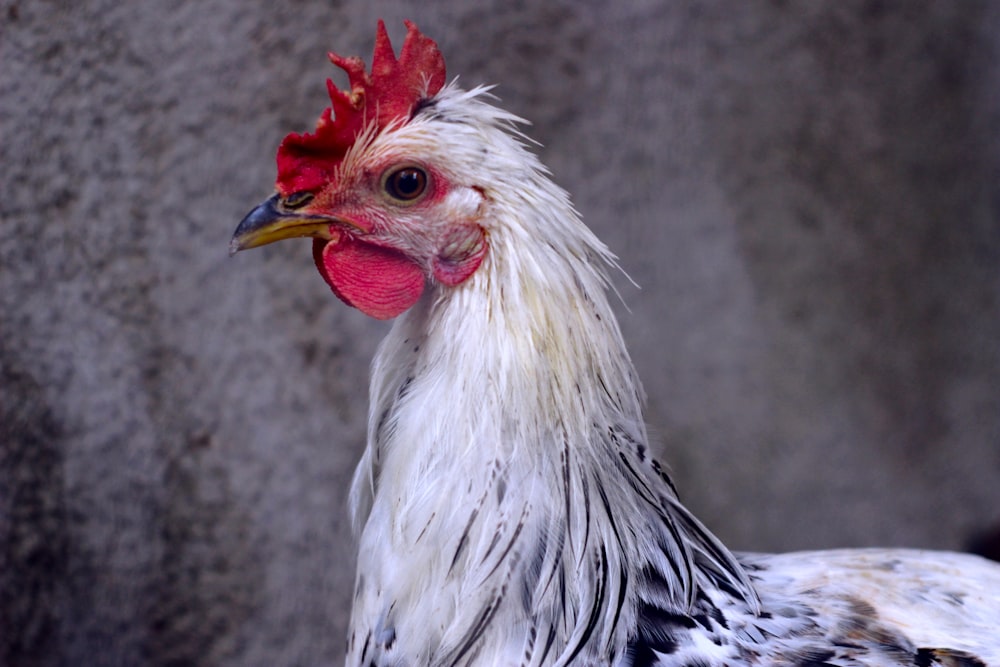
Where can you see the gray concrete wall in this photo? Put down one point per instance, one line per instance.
(807, 194)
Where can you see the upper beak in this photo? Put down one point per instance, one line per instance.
(271, 221)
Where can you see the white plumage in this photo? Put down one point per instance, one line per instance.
(508, 510)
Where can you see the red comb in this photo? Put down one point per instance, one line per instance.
(391, 91)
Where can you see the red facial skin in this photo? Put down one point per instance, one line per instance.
(380, 258)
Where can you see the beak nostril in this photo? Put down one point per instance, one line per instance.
(296, 200)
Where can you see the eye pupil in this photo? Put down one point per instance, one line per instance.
(406, 184)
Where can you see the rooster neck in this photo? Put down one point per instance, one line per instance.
(524, 354)
(506, 501)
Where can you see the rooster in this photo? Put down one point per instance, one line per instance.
(507, 507)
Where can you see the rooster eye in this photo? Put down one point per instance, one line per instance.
(297, 200)
(405, 184)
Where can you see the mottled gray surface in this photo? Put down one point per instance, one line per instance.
(807, 193)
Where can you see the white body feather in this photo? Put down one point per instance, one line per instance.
(509, 513)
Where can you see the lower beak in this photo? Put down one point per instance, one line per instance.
(271, 222)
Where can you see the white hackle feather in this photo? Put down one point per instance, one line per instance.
(508, 509)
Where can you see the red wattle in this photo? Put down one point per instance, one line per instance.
(380, 282)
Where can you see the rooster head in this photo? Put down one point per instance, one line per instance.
(386, 213)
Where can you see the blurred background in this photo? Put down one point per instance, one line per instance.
(807, 195)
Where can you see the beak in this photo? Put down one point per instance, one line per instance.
(272, 221)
